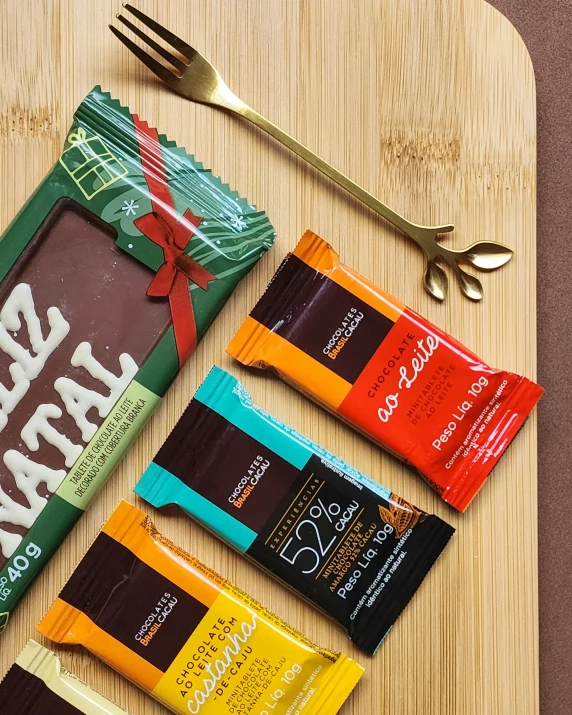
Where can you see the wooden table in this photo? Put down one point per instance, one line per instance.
(431, 107)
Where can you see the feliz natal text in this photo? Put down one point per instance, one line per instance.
(78, 401)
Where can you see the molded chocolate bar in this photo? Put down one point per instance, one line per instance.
(76, 311)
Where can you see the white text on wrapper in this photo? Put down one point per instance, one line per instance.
(78, 401)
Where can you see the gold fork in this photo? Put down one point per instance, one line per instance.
(195, 78)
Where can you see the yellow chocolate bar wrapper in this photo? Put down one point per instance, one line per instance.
(187, 636)
(37, 684)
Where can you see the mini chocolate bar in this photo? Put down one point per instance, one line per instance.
(38, 685)
(187, 636)
(385, 370)
(109, 276)
(344, 542)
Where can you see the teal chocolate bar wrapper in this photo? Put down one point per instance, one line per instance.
(345, 543)
(109, 276)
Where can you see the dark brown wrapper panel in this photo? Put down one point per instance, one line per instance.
(22, 693)
(37, 684)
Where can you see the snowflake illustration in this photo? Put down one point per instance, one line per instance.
(129, 207)
(237, 222)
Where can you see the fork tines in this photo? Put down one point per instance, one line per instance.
(163, 72)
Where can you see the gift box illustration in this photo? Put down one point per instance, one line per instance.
(90, 163)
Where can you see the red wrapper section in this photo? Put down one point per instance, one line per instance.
(385, 370)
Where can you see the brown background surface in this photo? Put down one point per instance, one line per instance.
(545, 27)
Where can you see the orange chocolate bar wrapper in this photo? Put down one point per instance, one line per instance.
(385, 370)
(185, 635)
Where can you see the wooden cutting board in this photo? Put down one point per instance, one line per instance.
(429, 105)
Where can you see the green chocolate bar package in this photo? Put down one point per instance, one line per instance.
(109, 276)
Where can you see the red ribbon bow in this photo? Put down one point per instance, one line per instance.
(163, 228)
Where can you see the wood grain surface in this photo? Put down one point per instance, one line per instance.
(430, 106)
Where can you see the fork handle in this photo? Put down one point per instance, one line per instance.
(414, 231)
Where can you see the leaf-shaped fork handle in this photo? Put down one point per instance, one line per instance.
(195, 78)
(486, 255)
